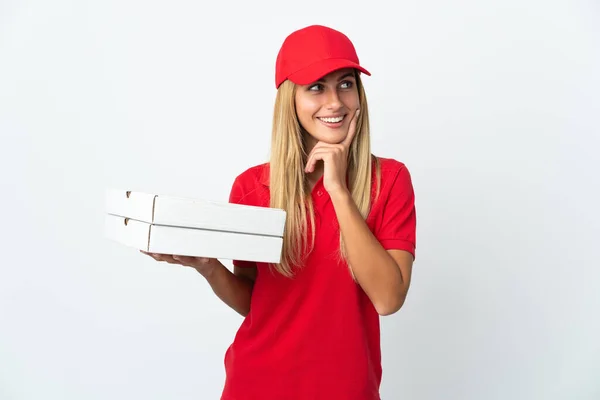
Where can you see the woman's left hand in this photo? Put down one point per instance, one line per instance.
(335, 159)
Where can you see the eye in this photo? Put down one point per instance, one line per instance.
(347, 83)
(316, 87)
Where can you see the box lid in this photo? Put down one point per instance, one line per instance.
(195, 213)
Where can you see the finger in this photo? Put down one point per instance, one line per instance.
(155, 256)
(308, 168)
(308, 158)
(351, 131)
(146, 253)
(311, 162)
(316, 156)
(161, 257)
(184, 260)
(319, 145)
(169, 259)
(193, 262)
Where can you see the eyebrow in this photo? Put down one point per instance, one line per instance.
(349, 74)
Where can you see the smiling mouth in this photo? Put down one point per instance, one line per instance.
(332, 120)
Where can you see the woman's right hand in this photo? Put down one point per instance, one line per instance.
(203, 265)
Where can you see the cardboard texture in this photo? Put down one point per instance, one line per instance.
(192, 227)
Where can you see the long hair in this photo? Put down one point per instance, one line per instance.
(289, 184)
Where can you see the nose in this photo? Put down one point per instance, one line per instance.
(333, 101)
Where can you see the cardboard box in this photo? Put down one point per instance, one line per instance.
(194, 213)
(193, 227)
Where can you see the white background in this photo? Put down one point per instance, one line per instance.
(493, 106)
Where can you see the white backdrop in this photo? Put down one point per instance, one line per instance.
(493, 106)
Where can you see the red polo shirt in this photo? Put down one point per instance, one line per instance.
(316, 336)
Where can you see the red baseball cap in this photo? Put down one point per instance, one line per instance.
(310, 53)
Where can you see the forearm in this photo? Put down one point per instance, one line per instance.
(373, 267)
(235, 291)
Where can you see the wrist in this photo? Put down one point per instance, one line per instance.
(342, 194)
(208, 269)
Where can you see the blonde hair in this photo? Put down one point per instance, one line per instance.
(288, 182)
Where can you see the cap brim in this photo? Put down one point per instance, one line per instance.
(316, 71)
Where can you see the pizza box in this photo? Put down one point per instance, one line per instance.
(195, 213)
(193, 227)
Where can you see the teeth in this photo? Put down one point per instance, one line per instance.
(332, 120)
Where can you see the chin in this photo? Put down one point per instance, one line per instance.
(332, 138)
(329, 136)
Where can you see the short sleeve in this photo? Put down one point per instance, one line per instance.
(236, 196)
(398, 225)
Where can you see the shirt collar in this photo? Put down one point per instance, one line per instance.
(264, 176)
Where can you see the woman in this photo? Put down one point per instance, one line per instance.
(311, 330)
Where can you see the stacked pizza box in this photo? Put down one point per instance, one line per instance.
(193, 227)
